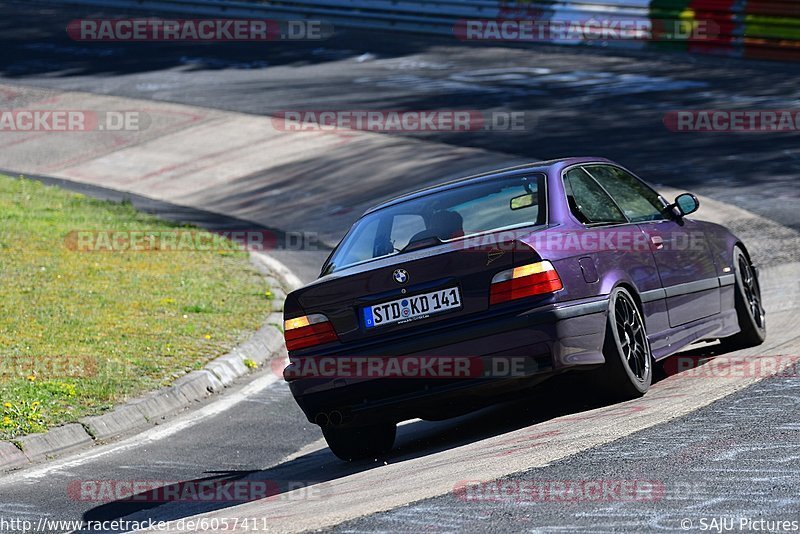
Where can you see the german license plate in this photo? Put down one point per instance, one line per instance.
(412, 308)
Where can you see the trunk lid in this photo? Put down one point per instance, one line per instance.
(467, 265)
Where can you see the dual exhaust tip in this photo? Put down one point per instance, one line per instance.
(334, 418)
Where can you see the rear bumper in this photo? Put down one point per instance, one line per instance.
(511, 352)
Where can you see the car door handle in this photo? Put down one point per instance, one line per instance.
(658, 241)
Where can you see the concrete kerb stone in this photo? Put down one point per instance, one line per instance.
(236, 362)
(11, 456)
(198, 384)
(58, 440)
(159, 404)
(114, 423)
(274, 340)
(276, 319)
(223, 371)
(278, 298)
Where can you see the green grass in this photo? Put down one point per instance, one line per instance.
(82, 331)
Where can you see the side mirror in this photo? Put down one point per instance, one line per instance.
(686, 204)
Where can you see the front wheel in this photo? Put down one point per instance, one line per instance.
(749, 311)
(628, 371)
(358, 442)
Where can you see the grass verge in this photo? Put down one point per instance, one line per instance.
(82, 331)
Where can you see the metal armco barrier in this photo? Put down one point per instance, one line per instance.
(764, 29)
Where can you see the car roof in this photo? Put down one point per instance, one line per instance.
(537, 166)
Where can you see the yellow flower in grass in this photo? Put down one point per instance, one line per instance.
(207, 336)
(31, 378)
(7, 404)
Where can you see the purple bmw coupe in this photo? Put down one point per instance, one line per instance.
(447, 299)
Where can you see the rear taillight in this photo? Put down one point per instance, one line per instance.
(525, 281)
(307, 331)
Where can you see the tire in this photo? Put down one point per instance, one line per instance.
(358, 442)
(749, 309)
(628, 371)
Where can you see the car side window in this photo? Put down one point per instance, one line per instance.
(637, 201)
(587, 200)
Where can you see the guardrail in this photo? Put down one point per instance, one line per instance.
(765, 29)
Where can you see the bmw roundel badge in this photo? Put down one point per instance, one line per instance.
(400, 276)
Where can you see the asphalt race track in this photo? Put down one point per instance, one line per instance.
(721, 446)
(576, 101)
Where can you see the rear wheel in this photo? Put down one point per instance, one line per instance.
(357, 442)
(749, 311)
(628, 371)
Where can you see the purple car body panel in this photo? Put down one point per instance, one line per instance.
(678, 270)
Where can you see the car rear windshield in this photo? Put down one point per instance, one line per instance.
(442, 216)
